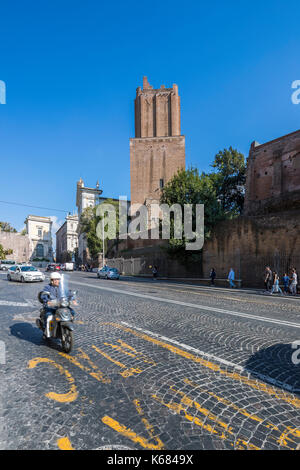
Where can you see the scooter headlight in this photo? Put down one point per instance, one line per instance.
(64, 314)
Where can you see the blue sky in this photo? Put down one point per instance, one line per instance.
(71, 69)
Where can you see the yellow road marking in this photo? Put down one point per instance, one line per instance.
(127, 372)
(130, 351)
(218, 427)
(283, 438)
(64, 444)
(60, 397)
(98, 375)
(127, 432)
(212, 366)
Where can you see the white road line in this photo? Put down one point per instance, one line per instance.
(226, 290)
(14, 304)
(185, 346)
(241, 369)
(197, 306)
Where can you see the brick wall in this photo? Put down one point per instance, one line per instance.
(249, 244)
(246, 244)
(273, 176)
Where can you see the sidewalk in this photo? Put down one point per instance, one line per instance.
(205, 284)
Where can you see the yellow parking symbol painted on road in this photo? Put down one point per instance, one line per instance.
(60, 397)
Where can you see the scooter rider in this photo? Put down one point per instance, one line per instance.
(50, 292)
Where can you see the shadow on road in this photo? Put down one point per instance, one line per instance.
(27, 332)
(278, 365)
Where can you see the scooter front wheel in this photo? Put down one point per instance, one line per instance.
(67, 340)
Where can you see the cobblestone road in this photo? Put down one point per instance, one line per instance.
(155, 366)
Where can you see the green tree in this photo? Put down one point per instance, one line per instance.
(190, 187)
(6, 227)
(89, 221)
(229, 180)
(4, 253)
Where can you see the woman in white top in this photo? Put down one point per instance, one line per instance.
(293, 285)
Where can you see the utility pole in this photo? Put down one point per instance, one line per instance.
(103, 241)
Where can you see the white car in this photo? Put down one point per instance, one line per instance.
(25, 274)
(6, 264)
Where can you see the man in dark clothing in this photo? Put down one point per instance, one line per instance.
(268, 279)
(212, 276)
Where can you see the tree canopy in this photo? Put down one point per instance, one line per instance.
(221, 191)
(4, 253)
(229, 180)
(6, 227)
(89, 221)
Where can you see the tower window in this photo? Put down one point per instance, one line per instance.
(161, 183)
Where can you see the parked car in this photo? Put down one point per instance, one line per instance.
(25, 274)
(53, 267)
(5, 264)
(108, 273)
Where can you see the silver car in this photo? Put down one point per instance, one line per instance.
(108, 273)
(25, 274)
(6, 264)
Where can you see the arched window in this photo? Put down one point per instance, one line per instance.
(39, 250)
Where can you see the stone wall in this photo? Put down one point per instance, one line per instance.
(20, 244)
(246, 244)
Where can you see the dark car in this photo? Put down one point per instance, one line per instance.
(53, 267)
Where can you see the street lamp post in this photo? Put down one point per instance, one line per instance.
(103, 249)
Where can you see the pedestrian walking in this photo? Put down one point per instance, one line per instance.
(286, 281)
(293, 285)
(268, 279)
(276, 287)
(231, 278)
(212, 276)
(154, 272)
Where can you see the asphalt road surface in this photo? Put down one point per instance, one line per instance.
(155, 365)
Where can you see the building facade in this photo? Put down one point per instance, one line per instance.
(85, 198)
(158, 150)
(39, 232)
(67, 239)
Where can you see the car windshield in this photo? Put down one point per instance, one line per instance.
(28, 268)
(113, 270)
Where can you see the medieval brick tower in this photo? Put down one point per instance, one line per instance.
(158, 149)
